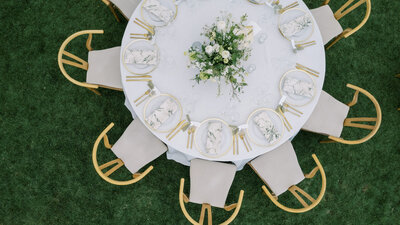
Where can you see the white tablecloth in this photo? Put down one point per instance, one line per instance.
(272, 59)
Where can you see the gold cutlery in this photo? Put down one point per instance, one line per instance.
(177, 125)
(138, 80)
(291, 107)
(144, 25)
(286, 123)
(147, 36)
(182, 127)
(245, 140)
(192, 138)
(233, 144)
(294, 4)
(301, 46)
(307, 70)
(188, 138)
(146, 93)
(139, 76)
(241, 135)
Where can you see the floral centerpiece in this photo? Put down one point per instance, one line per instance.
(220, 57)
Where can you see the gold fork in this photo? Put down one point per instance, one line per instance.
(177, 125)
(147, 36)
(286, 123)
(294, 4)
(307, 70)
(138, 80)
(241, 135)
(301, 46)
(183, 127)
(146, 93)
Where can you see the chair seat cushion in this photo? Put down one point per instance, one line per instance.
(328, 116)
(138, 146)
(127, 7)
(327, 23)
(279, 168)
(104, 68)
(210, 182)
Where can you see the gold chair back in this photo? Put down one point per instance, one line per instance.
(350, 122)
(111, 6)
(118, 162)
(184, 199)
(79, 63)
(344, 10)
(295, 190)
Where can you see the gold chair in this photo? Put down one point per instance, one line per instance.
(125, 7)
(329, 113)
(280, 171)
(104, 68)
(328, 21)
(184, 199)
(137, 146)
(209, 186)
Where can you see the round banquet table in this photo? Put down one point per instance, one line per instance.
(271, 59)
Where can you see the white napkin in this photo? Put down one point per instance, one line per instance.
(214, 137)
(293, 86)
(163, 13)
(162, 114)
(266, 127)
(141, 57)
(295, 26)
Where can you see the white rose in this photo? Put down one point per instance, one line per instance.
(225, 54)
(216, 47)
(221, 25)
(209, 49)
(209, 71)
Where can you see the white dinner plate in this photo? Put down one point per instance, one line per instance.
(254, 133)
(140, 45)
(292, 14)
(154, 103)
(200, 138)
(293, 99)
(154, 20)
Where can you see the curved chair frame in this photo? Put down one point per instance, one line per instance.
(112, 7)
(105, 176)
(294, 188)
(80, 63)
(184, 199)
(344, 10)
(348, 122)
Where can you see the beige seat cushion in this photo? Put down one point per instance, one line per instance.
(127, 7)
(279, 168)
(328, 116)
(137, 147)
(104, 68)
(327, 23)
(210, 182)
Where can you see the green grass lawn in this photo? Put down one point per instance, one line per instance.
(48, 127)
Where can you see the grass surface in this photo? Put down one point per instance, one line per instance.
(48, 127)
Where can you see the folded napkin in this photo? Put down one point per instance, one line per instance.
(163, 13)
(266, 127)
(141, 57)
(293, 86)
(214, 137)
(162, 114)
(295, 26)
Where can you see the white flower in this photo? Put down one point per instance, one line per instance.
(226, 60)
(225, 54)
(221, 25)
(216, 47)
(209, 49)
(209, 71)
